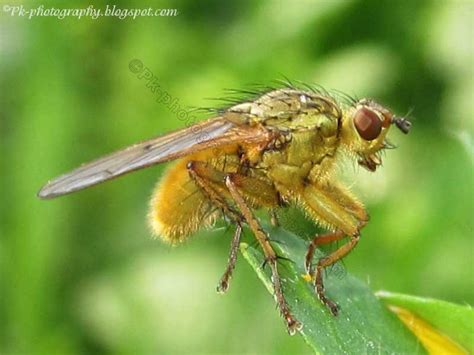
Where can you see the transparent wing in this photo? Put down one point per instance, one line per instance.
(212, 133)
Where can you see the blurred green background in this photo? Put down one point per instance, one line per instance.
(81, 274)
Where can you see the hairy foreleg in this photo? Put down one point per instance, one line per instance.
(336, 208)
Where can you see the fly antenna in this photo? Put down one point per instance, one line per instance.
(402, 123)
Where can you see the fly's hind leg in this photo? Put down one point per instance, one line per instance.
(333, 206)
(223, 284)
(211, 181)
(232, 183)
(208, 179)
(220, 187)
(258, 193)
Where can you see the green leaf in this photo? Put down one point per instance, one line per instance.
(453, 320)
(363, 326)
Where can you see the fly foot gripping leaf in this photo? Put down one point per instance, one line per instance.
(363, 326)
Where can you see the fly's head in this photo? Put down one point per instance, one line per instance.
(364, 129)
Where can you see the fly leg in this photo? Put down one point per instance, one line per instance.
(211, 181)
(320, 240)
(260, 194)
(208, 179)
(223, 284)
(274, 218)
(232, 183)
(325, 262)
(334, 206)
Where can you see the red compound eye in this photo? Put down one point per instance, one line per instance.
(367, 123)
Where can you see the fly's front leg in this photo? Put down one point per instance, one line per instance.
(232, 181)
(319, 240)
(327, 261)
(333, 206)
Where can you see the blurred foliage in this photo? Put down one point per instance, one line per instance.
(82, 275)
(452, 320)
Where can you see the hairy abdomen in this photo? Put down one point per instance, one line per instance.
(178, 207)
